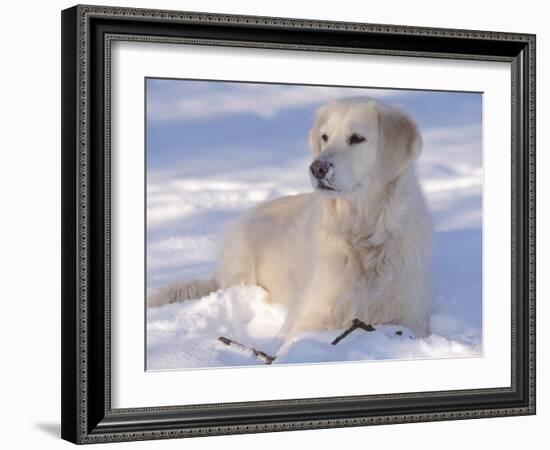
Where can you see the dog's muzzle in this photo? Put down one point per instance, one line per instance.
(319, 169)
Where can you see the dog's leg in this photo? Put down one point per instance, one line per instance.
(237, 260)
(322, 304)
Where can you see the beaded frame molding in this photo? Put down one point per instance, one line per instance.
(87, 34)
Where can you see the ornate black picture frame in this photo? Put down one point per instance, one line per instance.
(87, 34)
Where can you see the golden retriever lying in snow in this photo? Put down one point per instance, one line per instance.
(356, 247)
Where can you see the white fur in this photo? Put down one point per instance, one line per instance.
(358, 250)
(181, 291)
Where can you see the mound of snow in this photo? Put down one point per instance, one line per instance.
(186, 335)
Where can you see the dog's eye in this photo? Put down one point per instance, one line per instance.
(355, 139)
(324, 137)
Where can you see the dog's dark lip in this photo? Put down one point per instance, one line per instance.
(323, 186)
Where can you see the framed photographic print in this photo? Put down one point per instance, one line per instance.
(278, 224)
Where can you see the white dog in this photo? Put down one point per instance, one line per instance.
(356, 247)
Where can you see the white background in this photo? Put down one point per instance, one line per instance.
(30, 234)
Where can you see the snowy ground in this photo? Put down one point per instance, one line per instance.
(190, 202)
(186, 335)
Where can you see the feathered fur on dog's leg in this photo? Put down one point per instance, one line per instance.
(178, 292)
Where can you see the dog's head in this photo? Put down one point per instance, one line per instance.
(357, 141)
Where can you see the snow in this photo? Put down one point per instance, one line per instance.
(191, 202)
(186, 335)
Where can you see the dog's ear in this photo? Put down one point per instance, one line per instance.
(314, 142)
(399, 143)
(314, 138)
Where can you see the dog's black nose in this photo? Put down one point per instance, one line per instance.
(319, 169)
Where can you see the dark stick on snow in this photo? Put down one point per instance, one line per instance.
(262, 356)
(354, 325)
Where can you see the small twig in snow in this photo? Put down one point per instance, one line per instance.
(262, 356)
(354, 325)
